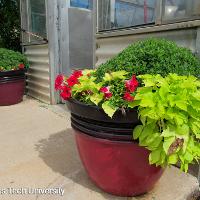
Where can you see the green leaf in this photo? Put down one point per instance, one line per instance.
(119, 74)
(137, 131)
(107, 77)
(147, 100)
(133, 104)
(154, 156)
(163, 91)
(115, 75)
(173, 159)
(97, 98)
(153, 141)
(182, 105)
(196, 95)
(167, 143)
(87, 71)
(147, 130)
(167, 133)
(108, 109)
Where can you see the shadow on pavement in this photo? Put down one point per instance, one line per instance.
(60, 154)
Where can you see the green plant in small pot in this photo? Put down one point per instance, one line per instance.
(132, 122)
(12, 76)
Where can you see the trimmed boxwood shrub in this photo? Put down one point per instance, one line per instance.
(11, 60)
(153, 56)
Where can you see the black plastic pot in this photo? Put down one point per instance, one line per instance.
(93, 121)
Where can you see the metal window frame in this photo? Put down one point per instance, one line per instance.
(28, 20)
(175, 20)
(159, 21)
(158, 16)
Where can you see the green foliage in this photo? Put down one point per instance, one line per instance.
(10, 24)
(152, 56)
(169, 109)
(10, 60)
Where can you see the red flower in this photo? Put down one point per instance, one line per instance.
(59, 81)
(72, 80)
(77, 73)
(106, 91)
(128, 97)
(108, 95)
(21, 66)
(132, 84)
(66, 92)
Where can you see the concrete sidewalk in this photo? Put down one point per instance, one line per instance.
(37, 150)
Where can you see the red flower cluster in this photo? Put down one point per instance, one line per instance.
(73, 79)
(66, 92)
(59, 82)
(131, 85)
(21, 66)
(128, 97)
(106, 91)
(64, 87)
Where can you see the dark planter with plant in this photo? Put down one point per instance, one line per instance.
(135, 115)
(12, 77)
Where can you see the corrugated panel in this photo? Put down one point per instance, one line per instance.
(111, 46)
(38, 81)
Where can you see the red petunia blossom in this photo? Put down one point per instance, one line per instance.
(72, 80)
(108, 95)
(106, 91)
(132, 84)
(128, 97)
(59, 81)
(66, 92)
(77, 73)
(21, 66)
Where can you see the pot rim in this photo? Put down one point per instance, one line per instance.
(18, 72)
(96, 113)
(72, 100)
(107, 140)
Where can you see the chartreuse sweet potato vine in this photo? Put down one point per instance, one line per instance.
(169, 109)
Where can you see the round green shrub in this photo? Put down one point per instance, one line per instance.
(153, 56)
(10, 60)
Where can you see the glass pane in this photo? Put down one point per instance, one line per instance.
(181, 9)
(81, 3)
(38, 17)
(115, 14)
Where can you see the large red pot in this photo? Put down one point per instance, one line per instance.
(114, 162)
(12, 86)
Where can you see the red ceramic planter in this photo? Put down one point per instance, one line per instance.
(115, 163)
(12, 88)
(119, 168)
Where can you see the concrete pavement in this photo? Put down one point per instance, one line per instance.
(37, 151)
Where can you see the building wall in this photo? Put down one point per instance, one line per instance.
(110, 44)
(38, 75)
